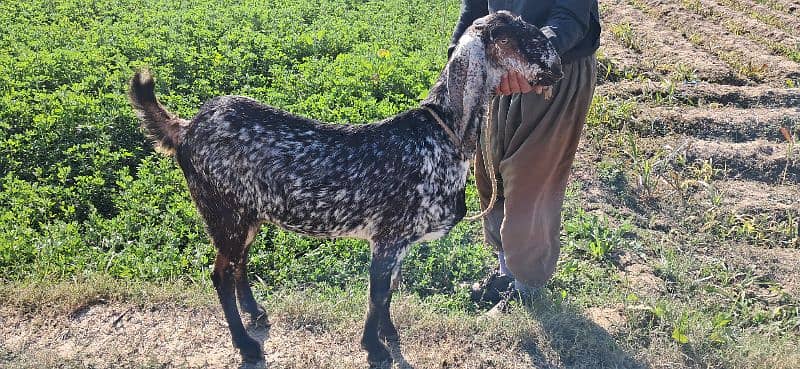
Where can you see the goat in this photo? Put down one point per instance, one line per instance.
(393, 183)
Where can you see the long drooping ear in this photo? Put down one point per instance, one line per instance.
(456, 82)
(466, 80)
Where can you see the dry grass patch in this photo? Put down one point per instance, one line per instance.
(311, 329)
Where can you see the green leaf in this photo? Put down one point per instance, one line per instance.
(679, 336)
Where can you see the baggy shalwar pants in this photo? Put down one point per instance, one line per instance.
(531, 143)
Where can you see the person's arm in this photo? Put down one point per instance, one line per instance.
(470, 11)
(568, 23)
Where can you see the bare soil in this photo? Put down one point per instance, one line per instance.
(661, 50)
(738, 20)
(744, 56)
(722, 136)
(730, 124)
(118, 334)
(781, 16)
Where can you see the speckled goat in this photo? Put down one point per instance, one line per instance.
(393, 182)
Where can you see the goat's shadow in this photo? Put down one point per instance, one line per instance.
(259, 330)
(577, 341)
(397, 355)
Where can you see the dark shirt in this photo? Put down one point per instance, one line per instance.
(573, 26)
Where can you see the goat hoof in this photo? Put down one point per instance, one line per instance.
(252, 355)
(258, 365)
(252, 359)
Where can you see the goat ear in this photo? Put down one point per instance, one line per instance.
(457, 82)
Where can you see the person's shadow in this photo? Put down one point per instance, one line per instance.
(577, 341)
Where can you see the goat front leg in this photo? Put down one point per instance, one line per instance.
(380, 273)
(386, 329)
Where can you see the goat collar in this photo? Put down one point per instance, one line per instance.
(456, 141)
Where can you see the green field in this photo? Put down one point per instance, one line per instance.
(661, 267)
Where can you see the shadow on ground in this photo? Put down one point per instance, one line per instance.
(576, 341)
(259, 330)
(397, 355)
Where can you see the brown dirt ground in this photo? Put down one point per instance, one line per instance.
(784, 16)
(723, 123)
(750, 197)
(742, 54)
(756, 160)
(114, 335)
(737, 21)
(733, 123)
(704, 94)
(788, 6)
(662, 49)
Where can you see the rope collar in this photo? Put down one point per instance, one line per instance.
(486, 157)
(456, 141)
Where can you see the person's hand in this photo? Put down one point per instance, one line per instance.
(514, 82)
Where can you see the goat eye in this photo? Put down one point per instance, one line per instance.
(503, 41)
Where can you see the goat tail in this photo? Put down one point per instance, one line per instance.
(163, 127)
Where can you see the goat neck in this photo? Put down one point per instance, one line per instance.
(463, 89)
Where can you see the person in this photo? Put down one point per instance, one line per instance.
(532, 142)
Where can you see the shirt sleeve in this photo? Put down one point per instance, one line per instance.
(470, 11)
(568, 23)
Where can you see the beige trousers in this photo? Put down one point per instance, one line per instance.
(532, 143)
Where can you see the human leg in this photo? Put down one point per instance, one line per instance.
(539, 139)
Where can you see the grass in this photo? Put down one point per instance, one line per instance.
(694, 311)
(557, 329)
(610, 71)
(37, 296)
(683, 73)
(625, 34)
(513, 341)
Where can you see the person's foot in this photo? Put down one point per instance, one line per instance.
(492, 289)
(518, 292)
(504, 305)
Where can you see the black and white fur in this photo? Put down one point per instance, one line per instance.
(393, 182)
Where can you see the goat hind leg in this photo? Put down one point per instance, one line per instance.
(243, 291)
(223, 278)
(245, 294)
